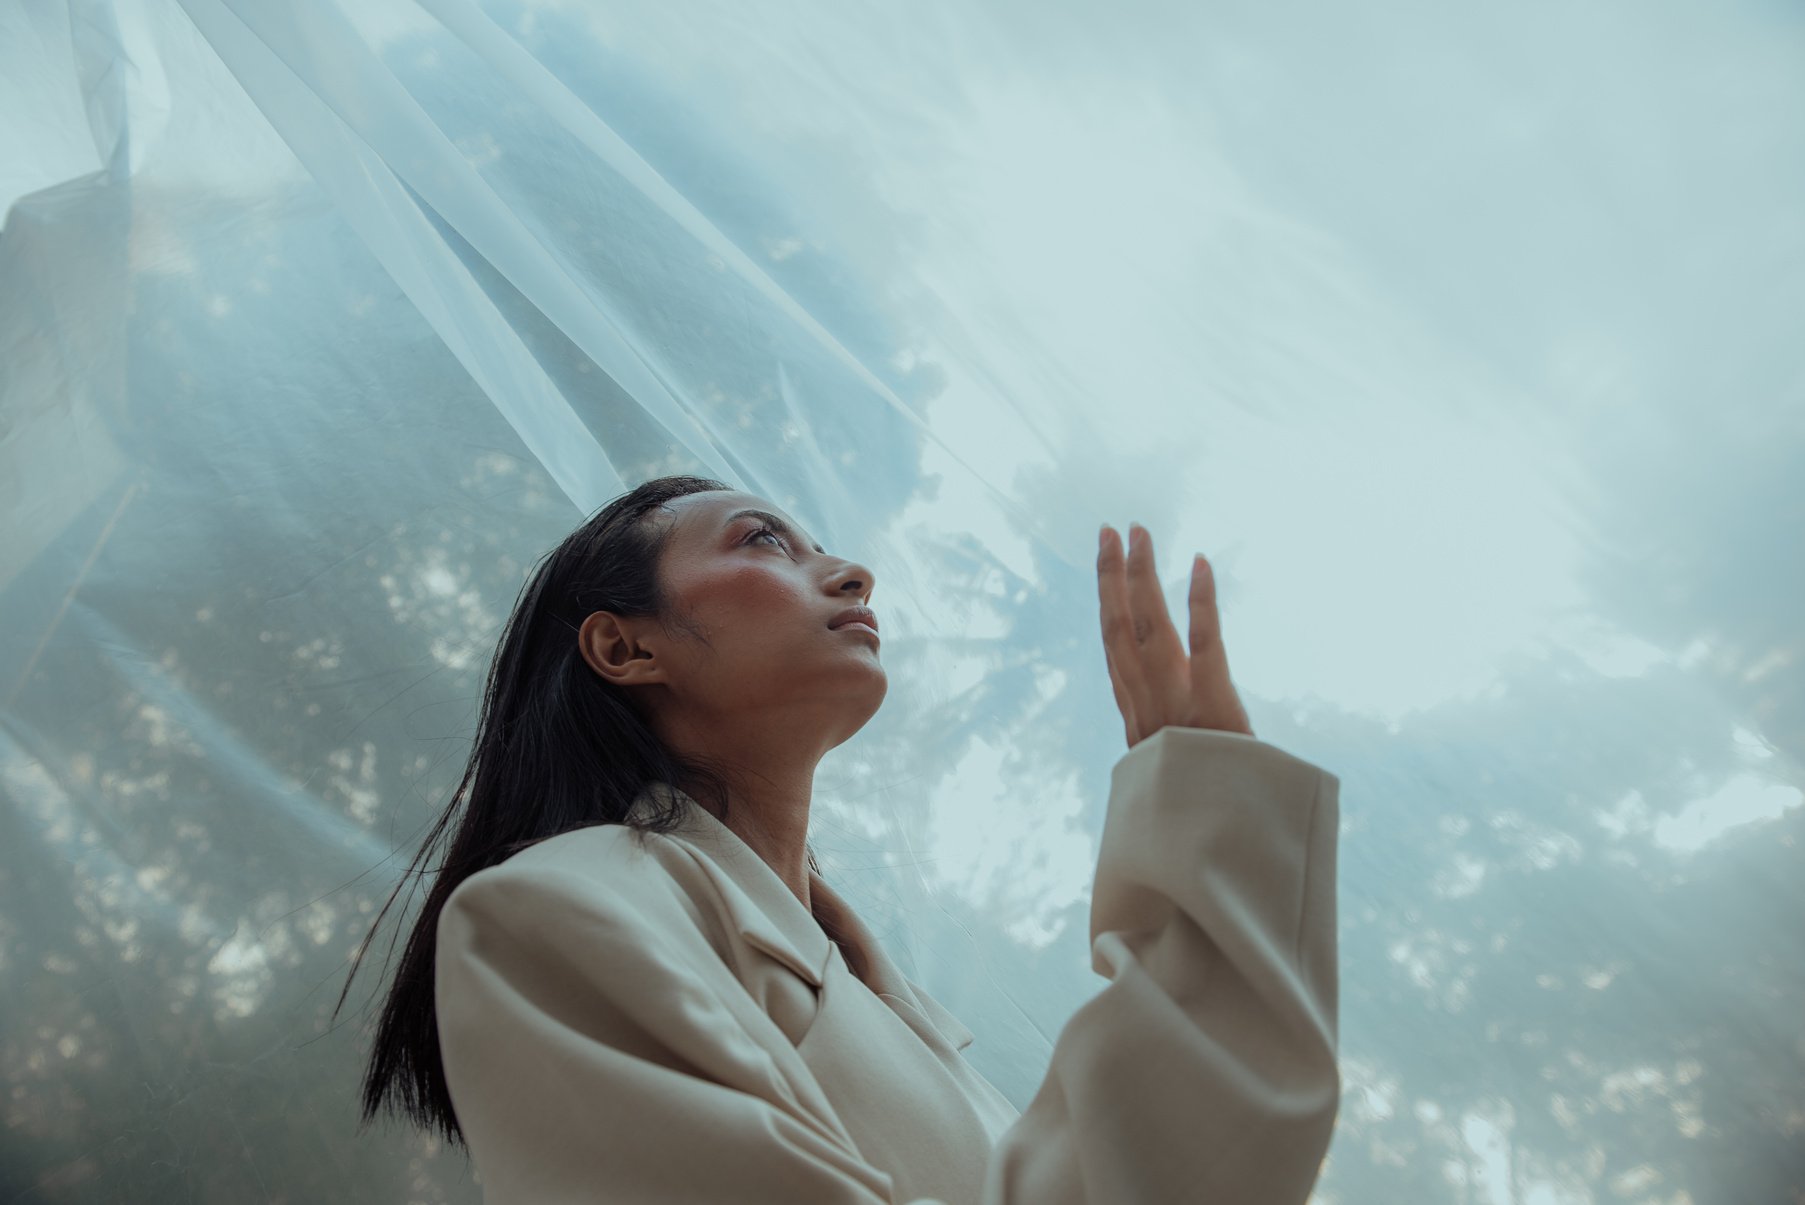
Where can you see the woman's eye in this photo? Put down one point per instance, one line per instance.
(765, 531)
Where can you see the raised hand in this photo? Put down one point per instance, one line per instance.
(1155, 681)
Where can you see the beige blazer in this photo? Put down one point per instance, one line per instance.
(642, 1018)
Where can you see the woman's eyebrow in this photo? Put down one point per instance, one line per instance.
(774, 521)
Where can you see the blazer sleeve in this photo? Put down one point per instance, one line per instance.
(1206, 1070)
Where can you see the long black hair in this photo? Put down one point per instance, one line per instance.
(558, 747)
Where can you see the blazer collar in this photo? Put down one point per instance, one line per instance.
(768, 915)
(759, 904)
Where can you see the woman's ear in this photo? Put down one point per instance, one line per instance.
(612, 648)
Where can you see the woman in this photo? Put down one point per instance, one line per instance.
(630, 983)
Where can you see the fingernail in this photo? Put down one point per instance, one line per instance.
(1102, 537)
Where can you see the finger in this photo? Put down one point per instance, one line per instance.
(1118, 634)
(1206, 623)
(1123, 703)
(1161, 654)
(1211, 687)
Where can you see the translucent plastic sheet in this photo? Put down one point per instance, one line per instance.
(1466, 343)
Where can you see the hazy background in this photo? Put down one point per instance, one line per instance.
(1465, 341)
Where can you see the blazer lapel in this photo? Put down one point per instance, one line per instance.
(770, 918)
(758, 903)
(884, 976)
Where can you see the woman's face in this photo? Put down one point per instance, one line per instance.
(749, 646)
